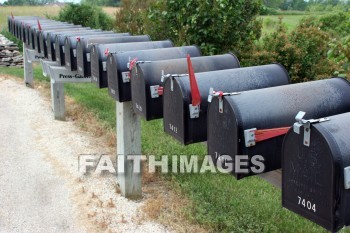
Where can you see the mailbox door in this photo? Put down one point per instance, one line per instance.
(176, 120)
(308, 183)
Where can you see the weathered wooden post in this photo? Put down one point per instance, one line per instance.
(128, 144)
(28, 68)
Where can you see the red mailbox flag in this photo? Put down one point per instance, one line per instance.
(196, 96)
(39, 26)
(106, 52)
(12, 15)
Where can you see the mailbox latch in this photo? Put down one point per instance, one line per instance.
(194, 111)
(347, 177)
(126, 77)
(88, 57)
(307, 126)
(156, 91)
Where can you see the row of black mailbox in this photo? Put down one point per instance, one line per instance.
(238, 111)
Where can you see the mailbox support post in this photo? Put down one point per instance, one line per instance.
(128, 144)
(57, 98)
(58, 76)
(28, 68)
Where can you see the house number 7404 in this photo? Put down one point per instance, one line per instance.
(306, 204)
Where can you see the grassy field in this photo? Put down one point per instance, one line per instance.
(37, 11)
(218, 202)
(288, 19)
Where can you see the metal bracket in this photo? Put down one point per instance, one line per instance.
(164, 77)
(88, 57)
(307, 126)
(347, 177)
(62, 48)
(194, 111)
(154, 91)
(126, 77)
(74, 52)
(220, 95)
(249, 137)
(104, 66)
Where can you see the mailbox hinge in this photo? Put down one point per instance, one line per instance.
(347, 177)
(156, 91)
(220, 95)
(307, 126)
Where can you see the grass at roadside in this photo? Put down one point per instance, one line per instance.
(218, 201)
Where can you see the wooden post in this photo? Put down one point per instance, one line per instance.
(128, 143)
(28, 68)
(57, 97)
(273, 177)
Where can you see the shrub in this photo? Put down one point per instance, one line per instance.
(303, 52)
(216, 26)
(85, 15)
(132, 16)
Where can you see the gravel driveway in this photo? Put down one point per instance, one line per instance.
(41, 189)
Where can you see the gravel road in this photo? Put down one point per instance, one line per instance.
(41, 189)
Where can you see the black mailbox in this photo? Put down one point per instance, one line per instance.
(186, 121)
(316, 170)
(147, 79)
(15, 22)
(59, 43)
(119, 65)
(20, 28)
(44, 34)
(70, 47)
(36, 33)
(50, 40)
(84, 49)
(29, 31)
(255, 122)
(99, 56)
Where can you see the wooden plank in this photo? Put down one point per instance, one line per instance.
(28, 68)
(128, 143)
(273, 177)
(57, 97)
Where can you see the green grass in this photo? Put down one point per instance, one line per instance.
(290, 19)
(219, 202)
